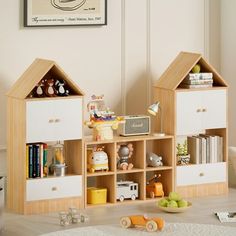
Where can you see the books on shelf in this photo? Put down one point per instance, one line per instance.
(36, 160)
(198, 80)
(205, 148)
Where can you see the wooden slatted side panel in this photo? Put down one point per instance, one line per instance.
(167, 102)
(54, 205)
(16, 155)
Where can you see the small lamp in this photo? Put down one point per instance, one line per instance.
(153, 110)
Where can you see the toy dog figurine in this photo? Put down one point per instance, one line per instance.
(123, 154)
(60, 87)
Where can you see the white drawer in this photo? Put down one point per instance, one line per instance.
(50, 188)
(51, 120)
(201, 174)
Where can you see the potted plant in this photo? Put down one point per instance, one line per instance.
(183, 157)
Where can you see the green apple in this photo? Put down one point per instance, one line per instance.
(163, 202)
(174, 196)
(182, 203)
(196, 68)
(172, 204)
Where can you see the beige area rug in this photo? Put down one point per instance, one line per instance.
(171, 229)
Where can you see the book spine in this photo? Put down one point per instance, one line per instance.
(41, 160)
(45, 165)
(27, 161)
(194, 76)
(37, 160)
(30, 160)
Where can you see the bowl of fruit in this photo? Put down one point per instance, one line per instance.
(174, 203)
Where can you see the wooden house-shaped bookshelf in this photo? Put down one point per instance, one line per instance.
(33, 121)
(193, 111)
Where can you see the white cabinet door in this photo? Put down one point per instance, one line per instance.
(188, 112)
(199, 110)
(52, 120)
(52, 188)
(214, 109)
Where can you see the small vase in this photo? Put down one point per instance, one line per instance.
(183, 159)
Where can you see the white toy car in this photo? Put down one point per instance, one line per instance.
(126, 190)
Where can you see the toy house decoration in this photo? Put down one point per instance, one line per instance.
(194, 110)
(102, 119)
(40, 119)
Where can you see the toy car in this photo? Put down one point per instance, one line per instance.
(154, 188)
(126, 189)
(151, 224)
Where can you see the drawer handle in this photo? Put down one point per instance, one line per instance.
(50, 121)
(199, 110)
(54, 188)
(57, 120)
(204, 110)
(1, 189)
(201, 174)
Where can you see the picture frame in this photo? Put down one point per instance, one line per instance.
(38, 13)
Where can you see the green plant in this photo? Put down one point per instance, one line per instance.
(182, 149)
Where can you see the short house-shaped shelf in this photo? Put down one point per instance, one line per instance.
(34, 122)
(180, 68)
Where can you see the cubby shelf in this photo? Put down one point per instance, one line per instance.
(140, 173)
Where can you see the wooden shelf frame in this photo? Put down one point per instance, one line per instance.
(146, 143)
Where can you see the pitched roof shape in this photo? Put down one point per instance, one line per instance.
(34, 73)
(182, 66)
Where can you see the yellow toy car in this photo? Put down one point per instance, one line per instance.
(151, 224)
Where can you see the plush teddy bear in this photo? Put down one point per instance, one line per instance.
(49, 87)
(39, 89)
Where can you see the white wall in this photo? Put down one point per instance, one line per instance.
(228, 59)
(120, 60)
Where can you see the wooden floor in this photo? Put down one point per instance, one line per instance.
(202, 212)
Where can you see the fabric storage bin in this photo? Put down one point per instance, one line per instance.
(96, 195)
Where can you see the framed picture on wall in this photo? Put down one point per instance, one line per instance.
(65, 12)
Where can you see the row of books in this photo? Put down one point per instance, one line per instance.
(198, 80)
(36, 160)
(205, 148)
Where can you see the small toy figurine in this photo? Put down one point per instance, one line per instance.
(72, 217)
(151, 224)
(39, 89)
(60, 87)
(154, 188)
(97, 159)
(153, 160)
(124, 152)
(49, 88)
(102, 119)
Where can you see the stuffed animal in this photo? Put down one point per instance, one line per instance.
(60, 87)
(123, 154)
(49, 88)
(39, 89)
(153, 160)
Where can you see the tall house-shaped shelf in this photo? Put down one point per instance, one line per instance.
(45, 120)
(193, 111)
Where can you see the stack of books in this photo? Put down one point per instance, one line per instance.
(205, 148)
(198, 80)
(36, 160)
